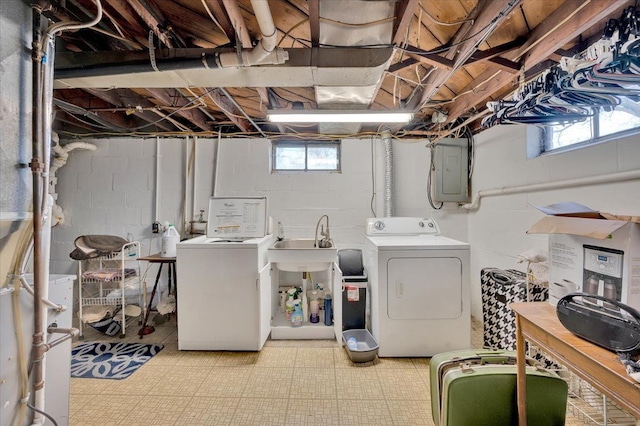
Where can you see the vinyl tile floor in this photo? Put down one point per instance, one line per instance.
(287, 383)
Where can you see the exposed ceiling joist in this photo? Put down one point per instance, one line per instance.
(151, 21)
(314, 22)
(227, 107)
(245, 38)
(217, 9)
(441, 58)
(405, 12)
(114, 97)
(542, 41)
(490, 15)
(174, 99)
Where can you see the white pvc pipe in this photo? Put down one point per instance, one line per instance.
(60, 159)
(157, 185)
(266, 51)
(187, 174)
(38, 303)
(195, 178)
(583, 181)
(216, 164)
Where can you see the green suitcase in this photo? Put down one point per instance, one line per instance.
(478, 387)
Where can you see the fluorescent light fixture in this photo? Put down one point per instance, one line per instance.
(338, 116)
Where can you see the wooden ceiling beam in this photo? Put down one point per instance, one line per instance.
(314, 22)
(429, 58)
(483, 55)
(127, 12)
(115, 98)
(565, 24)
(151, 21)
(218, 10)
(505, 65)
(403, 64)
(168, 98)
(64, 117)
(237, 21)
(182, 20)
(228, 109)
(82, 99)
(405, 11)
(490, 14)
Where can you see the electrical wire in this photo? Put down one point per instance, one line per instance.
(285, 35)
(432, 168)
(47, 415)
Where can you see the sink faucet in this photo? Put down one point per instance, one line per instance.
(325, 242)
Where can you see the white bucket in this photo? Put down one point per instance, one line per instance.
(170, 239)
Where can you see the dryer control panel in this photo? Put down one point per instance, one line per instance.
(402, 226)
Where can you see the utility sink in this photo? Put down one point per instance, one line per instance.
(300, 255)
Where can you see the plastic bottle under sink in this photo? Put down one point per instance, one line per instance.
(314, 308)
(296, 316)
(289, 305)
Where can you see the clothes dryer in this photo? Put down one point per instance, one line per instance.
(419, 281)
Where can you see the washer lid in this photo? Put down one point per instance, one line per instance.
(416, 242)
(402, 226)
(221, 243)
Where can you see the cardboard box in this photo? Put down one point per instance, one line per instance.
(591, 252)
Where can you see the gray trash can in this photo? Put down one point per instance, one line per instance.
(354, 275)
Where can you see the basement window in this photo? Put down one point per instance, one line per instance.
(305, 156)
(603, 126)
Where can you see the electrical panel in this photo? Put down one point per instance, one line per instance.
(450, 179)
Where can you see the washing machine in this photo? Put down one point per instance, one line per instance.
(419, 283)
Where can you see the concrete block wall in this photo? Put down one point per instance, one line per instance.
(411, 168)
(497, 230)
(112, 191)
(298, 200)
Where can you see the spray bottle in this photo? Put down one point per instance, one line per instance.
(289, 306)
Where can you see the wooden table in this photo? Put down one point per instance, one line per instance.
(171, 275)
(538, 323)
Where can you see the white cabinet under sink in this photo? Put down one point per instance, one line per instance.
(281, 327)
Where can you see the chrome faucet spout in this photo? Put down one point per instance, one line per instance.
(326, 236)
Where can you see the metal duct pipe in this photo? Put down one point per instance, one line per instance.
(266, 51)
(388, 174)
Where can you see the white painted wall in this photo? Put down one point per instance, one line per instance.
(112, 190)
(497, 230)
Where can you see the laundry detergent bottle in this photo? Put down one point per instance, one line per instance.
(170, 240)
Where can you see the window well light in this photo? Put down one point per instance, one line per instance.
(339, 116)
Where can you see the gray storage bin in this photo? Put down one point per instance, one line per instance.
(366, 346)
